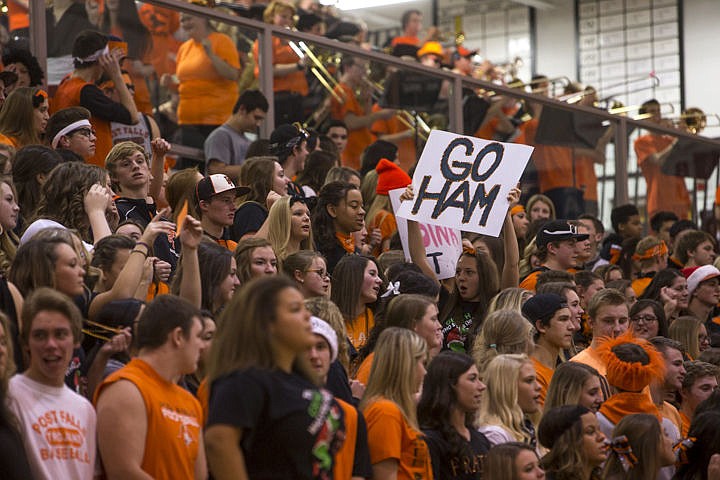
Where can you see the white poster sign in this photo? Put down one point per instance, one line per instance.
(443, 245)
(463, 182)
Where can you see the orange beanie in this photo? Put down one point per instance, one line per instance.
(390, 177)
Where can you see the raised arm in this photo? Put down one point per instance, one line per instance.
(418, 255)
(132, 273)
(96, 203)
(190, 237)
(510, 275)
(157, 166)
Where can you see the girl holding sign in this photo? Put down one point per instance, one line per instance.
(463, 309)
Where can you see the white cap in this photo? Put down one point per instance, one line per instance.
(322, 328)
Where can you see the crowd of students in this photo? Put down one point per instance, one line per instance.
(255, 316)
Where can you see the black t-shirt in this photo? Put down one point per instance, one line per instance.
(448, 466)
(291, 429)
(461, 326)
(249, 217)
(138, 210)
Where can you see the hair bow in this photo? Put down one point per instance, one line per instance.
(681, 450)
(621, 446)
(393, 289)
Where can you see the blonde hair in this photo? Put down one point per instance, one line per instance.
(500, 406)
(274, 7)
(525, 265)
(280, 228)
(380, 203)
(503, 332)
(392, 375)
(509, 299)
(567, 384)
(686, 330)
(323, 307)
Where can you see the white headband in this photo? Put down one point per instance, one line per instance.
(73, 126)
(93, 57)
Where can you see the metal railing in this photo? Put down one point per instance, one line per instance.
(266, 31)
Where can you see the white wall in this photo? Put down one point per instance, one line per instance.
(702, 57)
(556, 46)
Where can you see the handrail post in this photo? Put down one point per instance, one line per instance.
(455, 106)
(266, 79)
(621, 167)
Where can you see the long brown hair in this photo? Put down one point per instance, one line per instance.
(243, 337)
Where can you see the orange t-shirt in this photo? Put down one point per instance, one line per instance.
(363, 373)
(391, 437)
(544, 375)
(345, 457)
(489, 130)
(664, 192)
(407, 155)
(206, 98)
(385, 221)
(405, 40)
(530, 281)
(359, 329)
(12, 141)
(174, 421)
(358, 139)
(640, 284)
(590, 357)
(68, 95)
(684, 425)
(585, 177)
(282, 54)
(555, 167)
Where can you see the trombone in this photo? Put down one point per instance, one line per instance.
(620, 109)
(409, 119)
(694, 120)
(318, 69)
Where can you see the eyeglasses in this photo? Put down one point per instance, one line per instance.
(321, 273)
(86, 132)
(644, 318)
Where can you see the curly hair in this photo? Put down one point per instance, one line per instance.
(63, 195)
(31, 63)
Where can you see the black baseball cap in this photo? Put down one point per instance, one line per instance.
(557, 231)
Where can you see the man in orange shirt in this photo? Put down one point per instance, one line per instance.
(556, 249)
(411, 25)
(664, 192)
(549, 314)
(147, 424)
(355, 110)
(92, 58)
